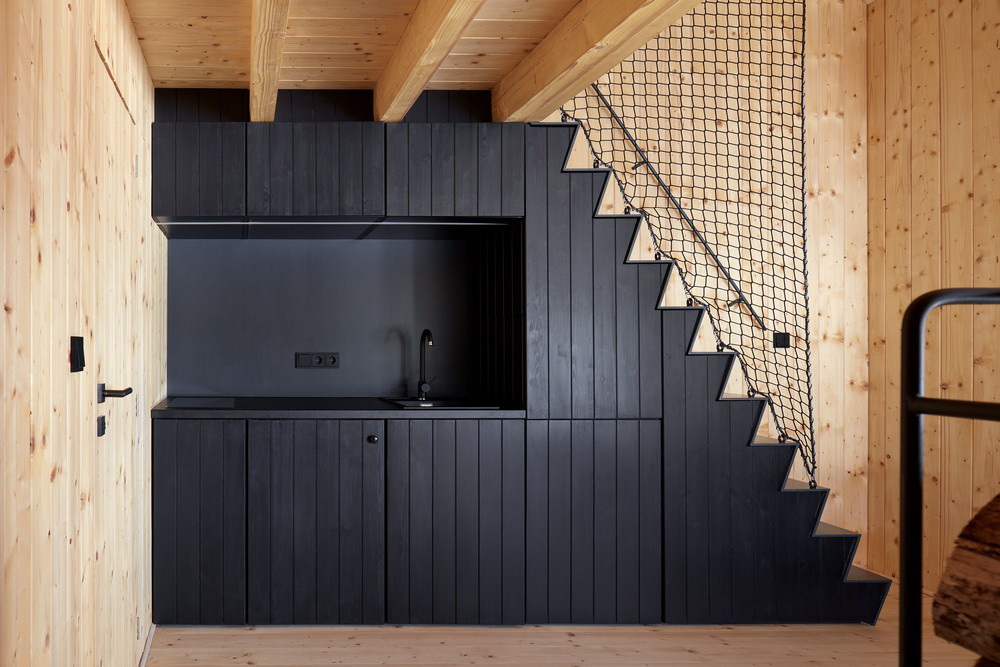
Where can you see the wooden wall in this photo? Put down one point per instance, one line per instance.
(934, 221)
(80, 256)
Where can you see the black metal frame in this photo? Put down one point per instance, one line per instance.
(914, 406)
(680, 209)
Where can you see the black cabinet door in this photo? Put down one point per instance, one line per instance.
(316, 522)
(199, 521)
(199, 170)
(455, 521)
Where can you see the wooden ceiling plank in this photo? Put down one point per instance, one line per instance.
(268, 21)
(433, 30)
(595, 36)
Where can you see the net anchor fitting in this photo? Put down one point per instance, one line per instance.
(734, 302)
(690, 303)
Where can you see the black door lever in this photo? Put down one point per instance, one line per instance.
(104, 393)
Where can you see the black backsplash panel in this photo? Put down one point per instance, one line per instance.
(240, 310)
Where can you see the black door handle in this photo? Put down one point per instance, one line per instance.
(104, 393)
(373, 439)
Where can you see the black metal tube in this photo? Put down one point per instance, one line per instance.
(677, 205)
(911, 441)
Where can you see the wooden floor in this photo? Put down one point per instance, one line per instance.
(551, 645)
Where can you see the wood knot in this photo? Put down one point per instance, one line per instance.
(9, 158)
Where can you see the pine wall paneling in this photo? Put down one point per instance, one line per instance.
(934, 97)
(81, 257)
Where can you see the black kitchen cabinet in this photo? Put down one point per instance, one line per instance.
(316, 522)
(199, 521)
(199, 171)
(455, 521)
(315, 169)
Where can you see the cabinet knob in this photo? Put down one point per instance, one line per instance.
(373, 439)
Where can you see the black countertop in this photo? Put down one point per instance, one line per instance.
(310, 407)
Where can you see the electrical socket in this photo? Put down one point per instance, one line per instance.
(317, 360)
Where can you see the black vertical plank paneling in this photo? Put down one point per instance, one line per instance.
(209, 106)
(582, 484)
(282, 165)
(674, 468)
(536, 521)
(628, 521)
(560, 549)
(765, 576)
(460, 106)
(650, 536)
(650, 278)
(351, 169)
(490, 158)
(210, 169)
(480, 105)
(742, 513)
(582, 299)
(373, 164)
(397, 500)
(606, 262)
(304, 521)
(535, 273)
(328, 168)
(627, 317)
(513, 521)
(258, 169)
(211, 521)
(165, 105)
(283, 112)
(164, 499)
(720, 513)
(467, 520)
(186, 175)
(282, 522)
(466, 170)
(444, 520)
(512, 169)
(164, 175)
(421, 522)
(188, 522)
(258, 522)
(234, 535)
(559, 288)
(420, 170)
(373, 549)
(327, 521)
(352, 512)
(437, 105)
(302, 103)
(605, 521)
(234, 106)
(304, 158)
(396, 178)
(697, 480)
(234, 169)
(417, 113)
(490, 522)
(188, 104)
(442, 168)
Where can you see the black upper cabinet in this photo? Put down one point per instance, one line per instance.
(199, 170)
(300, 170)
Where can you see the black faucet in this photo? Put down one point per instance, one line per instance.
(423, 386)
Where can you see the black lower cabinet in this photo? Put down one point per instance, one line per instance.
(199, 522)
(455, 520)
(593, 533)
(316, 522)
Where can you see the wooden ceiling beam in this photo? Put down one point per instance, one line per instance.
(268, 20)
(431, 34)
(591, 39)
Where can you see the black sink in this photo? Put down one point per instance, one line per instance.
(440, 404)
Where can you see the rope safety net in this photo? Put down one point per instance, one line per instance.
(704, 130)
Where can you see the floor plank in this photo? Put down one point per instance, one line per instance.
(550, 645)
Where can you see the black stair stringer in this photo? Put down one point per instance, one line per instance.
(743, 542)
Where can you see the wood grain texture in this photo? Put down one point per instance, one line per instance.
(81, 257)
(268, 21)
(430, 35)
(934, 92)
(590, 39)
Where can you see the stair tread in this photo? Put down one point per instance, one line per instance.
(856, 573)
(797, 485)
(768, 441)
(823, 528)
(732, 397)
